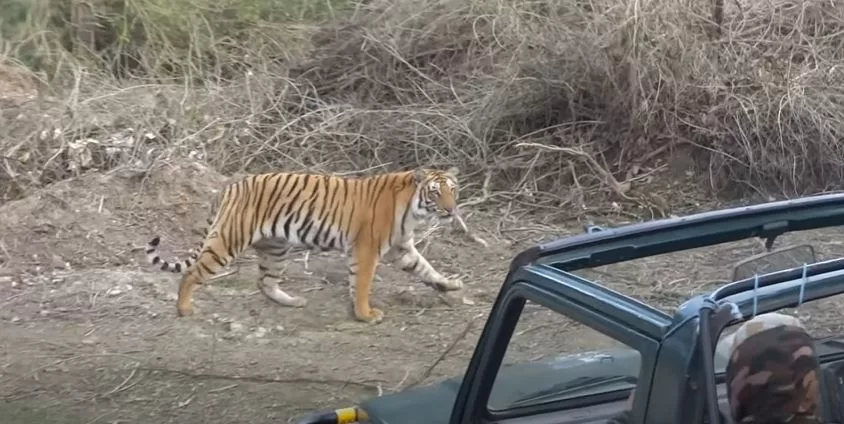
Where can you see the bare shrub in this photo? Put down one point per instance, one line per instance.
(540, 95)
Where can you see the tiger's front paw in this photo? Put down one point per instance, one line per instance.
(374, 316)
(450, 284)
(298, 302)
(184, 310)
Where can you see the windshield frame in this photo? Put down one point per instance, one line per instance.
(540, 284)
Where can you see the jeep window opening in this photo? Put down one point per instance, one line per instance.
(541, 284)
(520, 295)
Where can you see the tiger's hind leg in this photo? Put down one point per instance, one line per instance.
(208, 263)
(271, 253)
(411, 261)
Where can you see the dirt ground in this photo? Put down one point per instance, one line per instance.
(89, 332)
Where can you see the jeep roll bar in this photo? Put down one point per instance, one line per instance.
(651, 238)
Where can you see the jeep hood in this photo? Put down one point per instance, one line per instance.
(432, 404)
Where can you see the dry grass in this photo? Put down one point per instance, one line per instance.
(540, 95)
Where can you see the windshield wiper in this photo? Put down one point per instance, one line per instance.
(573, 386)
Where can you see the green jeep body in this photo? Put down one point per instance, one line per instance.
(671, 361)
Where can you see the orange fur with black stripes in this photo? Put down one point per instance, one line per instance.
(369, 218)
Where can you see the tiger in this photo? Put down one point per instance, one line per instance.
(371, 219)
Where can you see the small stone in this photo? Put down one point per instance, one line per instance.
(234, 327)
(57, 261)
(16, 320)
(201, 334)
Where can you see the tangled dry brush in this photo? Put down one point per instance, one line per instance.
(539, 95)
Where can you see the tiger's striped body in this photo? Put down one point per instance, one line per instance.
(367, 218)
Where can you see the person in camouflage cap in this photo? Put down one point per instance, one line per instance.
(772, 373)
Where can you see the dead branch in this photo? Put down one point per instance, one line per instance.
(485, 195)
(618, 188)
(459, 221)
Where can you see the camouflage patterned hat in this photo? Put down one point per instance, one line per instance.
(772, 374)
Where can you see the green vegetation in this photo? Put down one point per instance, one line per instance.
(184, 37)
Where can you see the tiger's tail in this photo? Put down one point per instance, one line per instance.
(178, 266)
(154, 258)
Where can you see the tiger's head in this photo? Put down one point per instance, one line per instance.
(437, 192)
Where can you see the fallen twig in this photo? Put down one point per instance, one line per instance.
(123, 385)
(221, 389)
(443, 355)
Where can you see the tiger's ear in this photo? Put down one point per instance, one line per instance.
(419, 175)
(453, 171)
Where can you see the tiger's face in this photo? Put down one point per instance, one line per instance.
(438, 191)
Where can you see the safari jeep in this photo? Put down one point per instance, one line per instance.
(671, 361)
